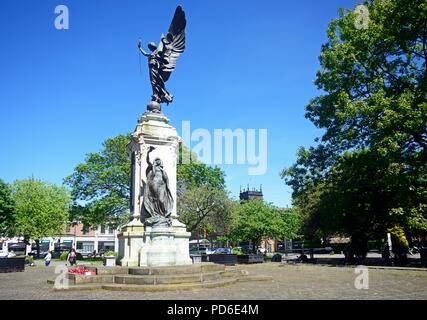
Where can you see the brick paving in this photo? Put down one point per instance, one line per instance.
(290, 282)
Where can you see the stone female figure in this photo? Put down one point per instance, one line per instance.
(158, 200)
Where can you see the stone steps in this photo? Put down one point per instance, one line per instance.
(204, 275)
(80, 287)
(81, 279)
(166, 279)
(163, 287)
(190, 269)
(112, 270)
(170, 287)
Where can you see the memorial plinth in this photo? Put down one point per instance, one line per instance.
(154, 237)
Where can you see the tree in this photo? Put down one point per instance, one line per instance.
(7, 213)
(289, 224)
(205, 207)
(375, 81)
(256, 220)
(100, 187)
(356, 198)
(41, 209)
(368, 170)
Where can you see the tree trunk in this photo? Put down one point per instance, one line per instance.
(254, 244)
(38, 248)
(359, 248)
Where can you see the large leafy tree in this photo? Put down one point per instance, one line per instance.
(256, 220)
(371, 161)
(41, 209)
(375, 81)
(7, 217)
(100, 186)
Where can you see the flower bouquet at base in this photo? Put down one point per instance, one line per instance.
(83, 270)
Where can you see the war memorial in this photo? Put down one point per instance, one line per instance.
(356, 228)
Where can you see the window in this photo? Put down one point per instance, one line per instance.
(85, 229)
(109, 247)
(87, 246)
(105, 246)
(110, 230)
(102, 229)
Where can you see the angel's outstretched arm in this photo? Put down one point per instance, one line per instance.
(142, 50)
(149, 164)
(148, 155)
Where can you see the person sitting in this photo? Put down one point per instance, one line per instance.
(302, 258)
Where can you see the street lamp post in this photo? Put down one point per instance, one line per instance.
(286, 247)
(74, 225)
(198, 231)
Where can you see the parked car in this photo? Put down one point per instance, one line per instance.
(18, 248)
(85, 253)
(223, 251)
(59, 248)
(325, 250)
(210, 250)
(329, 249)
(196, 250)
(42, 253)
(414, 249)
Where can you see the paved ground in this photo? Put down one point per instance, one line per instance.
(290, 282)
(372, 259)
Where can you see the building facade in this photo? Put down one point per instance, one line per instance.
(86, 239)
(78, 236)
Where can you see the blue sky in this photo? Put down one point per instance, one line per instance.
(248, 64)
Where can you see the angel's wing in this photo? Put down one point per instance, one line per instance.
(173, 44)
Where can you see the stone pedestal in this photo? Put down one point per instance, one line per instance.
(131, 239)
(159, 250)
(139, 243)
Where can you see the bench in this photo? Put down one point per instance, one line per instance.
(250, 258)
(16, 264)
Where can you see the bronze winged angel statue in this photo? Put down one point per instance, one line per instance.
(162, 59)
